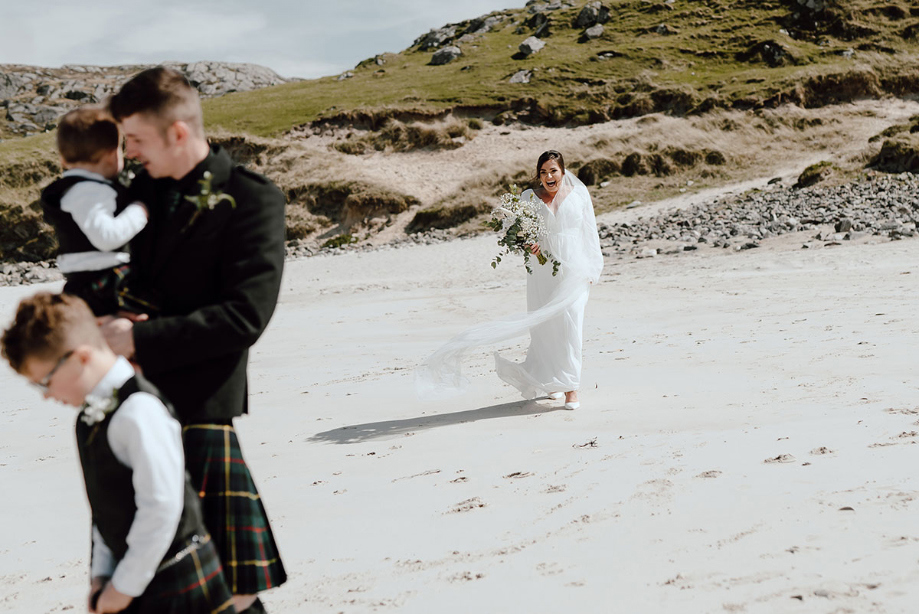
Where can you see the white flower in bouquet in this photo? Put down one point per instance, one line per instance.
(520, 226)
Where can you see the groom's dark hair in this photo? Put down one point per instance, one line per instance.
(162, 94)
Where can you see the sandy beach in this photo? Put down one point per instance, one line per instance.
(744, 442)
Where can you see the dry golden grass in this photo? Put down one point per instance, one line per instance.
(380, 195)
(399, 136)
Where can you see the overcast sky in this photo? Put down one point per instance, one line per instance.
(296, 38)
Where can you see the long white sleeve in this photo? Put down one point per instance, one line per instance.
(103, 560)
(144, 437)
(590, 242)
(93, 205)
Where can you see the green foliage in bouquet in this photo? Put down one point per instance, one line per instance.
(520, 226)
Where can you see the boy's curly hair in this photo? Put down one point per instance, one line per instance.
(47, 325)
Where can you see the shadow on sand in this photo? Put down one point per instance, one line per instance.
(393, 428)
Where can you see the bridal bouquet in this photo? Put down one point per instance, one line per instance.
(520, 226)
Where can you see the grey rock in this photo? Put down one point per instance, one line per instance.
(531, 45)
(445, 56)
(37, 114)
(843, 225)
(10, 85)
(881, 205)
(482, 25)
(218, 78)
(592, 14)
(345, 75)
(435, 38)
(78, 95)
(593, 32)
(521, 76)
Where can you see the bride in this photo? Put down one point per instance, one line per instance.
(555, 304)
(553, 361)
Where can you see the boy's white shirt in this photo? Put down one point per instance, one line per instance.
(148, 440)
(93, 206)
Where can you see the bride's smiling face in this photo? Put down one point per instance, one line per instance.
(550, 175)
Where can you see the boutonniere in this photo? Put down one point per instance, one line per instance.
(125, 177)
(96, 408)
(206, 199)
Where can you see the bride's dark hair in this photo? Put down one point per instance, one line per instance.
(545, 157)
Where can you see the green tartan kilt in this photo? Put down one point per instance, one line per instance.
(192, 585)
(233, 511)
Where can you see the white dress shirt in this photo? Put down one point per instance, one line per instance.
(148, 440)
(92, 206)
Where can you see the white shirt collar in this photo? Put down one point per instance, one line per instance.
(120, 372)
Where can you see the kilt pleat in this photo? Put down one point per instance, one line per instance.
(193, 585)
(233, 511)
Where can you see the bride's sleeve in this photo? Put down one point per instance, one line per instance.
(590, 240)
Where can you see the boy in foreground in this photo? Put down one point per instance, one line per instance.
(150, 550)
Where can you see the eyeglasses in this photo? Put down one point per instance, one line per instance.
(45, 383)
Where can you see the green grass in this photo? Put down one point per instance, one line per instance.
(569, 80)
(25, 150)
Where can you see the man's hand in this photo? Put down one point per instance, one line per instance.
(95, 587)
(119, 334)
(134, 317)
(112, 601)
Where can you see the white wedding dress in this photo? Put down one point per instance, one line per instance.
(555, 309)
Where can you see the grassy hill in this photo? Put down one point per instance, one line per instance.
(690, 58)
(681, 57)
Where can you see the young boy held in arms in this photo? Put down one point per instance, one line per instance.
(88, 209)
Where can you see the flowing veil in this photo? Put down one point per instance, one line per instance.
(576, 245)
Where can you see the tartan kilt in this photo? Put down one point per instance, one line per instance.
(98, 288)
(232, 509)
(192, 585)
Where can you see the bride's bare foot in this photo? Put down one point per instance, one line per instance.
(571, 400)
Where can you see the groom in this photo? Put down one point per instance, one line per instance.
(209, 262)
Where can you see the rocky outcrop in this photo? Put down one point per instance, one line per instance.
(879, 205)
(531, 45)
(35, 97)
(899, 154)
(445, 55)
(219, 78)
(436, 38)
(462, 32)
(592, 14)
(541, 6)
